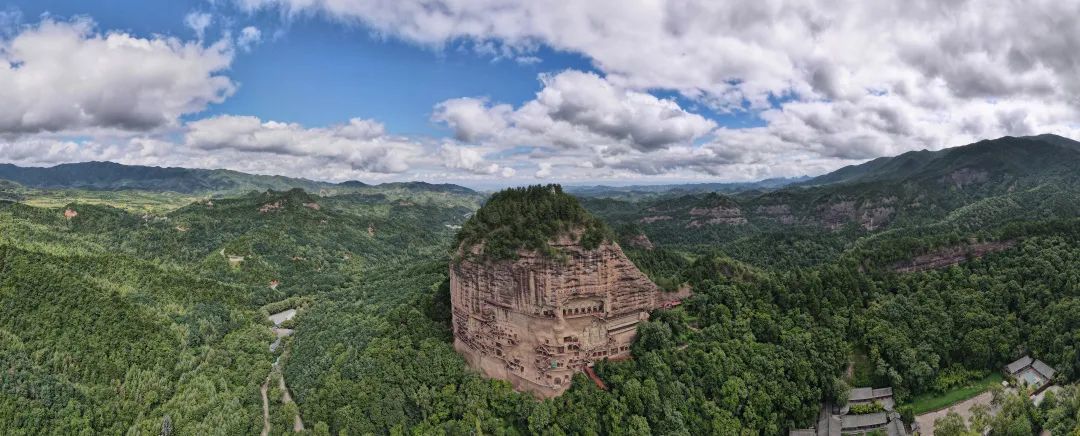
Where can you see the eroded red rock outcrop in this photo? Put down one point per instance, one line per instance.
(535, 321)
(949, 256)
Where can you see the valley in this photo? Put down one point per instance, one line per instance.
(236, 304)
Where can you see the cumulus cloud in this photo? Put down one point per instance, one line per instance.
(472, 118)
(472, 160)
(750, 48)
(826, 83)
(65, 76)
(576, 109)
(362, 144)
(833, 82)
(544, 170)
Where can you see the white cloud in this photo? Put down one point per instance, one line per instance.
(472, 118)
(528, 60)
(362, 144)
(65, 76)
(576, 110)
(751, 48)
(834, 82)
(199, 22)
(471, 159)
(249, 37)
(544, 170)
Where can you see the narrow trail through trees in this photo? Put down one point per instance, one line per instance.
(266, 407)
(286, 398)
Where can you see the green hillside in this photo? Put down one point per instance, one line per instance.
(123, 309)
(957, 190)
(109, 176)
(529, 218)
(112, 320)
(1002, 159)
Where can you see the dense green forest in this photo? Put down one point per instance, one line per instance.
(529, 218)
(126, 312)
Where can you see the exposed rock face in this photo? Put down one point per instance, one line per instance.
(272, 207)
(779, 212)
(716, 215)
(966, 176)
(655, 218)
(535, 321)
(641, 241)
(870, 215)
(949, 256)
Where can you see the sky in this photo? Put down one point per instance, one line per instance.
(489, 93)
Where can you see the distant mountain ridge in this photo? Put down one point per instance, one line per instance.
(971, 188)
(1041, 155)
(110, 176)
(1006, 158)
(683, 188)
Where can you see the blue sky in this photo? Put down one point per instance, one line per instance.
(500, 92)
(314, 72)
(336, 71)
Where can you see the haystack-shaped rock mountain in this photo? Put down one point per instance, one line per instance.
(540, 291)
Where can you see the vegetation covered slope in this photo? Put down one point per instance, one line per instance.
(113, 322)
(965, 188)
(529, 218)
(785, 301)
(98, 342)
(111, 176)
(1008, 157)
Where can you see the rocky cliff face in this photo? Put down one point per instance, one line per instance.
(535, 321)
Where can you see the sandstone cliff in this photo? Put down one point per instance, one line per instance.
(536, 320)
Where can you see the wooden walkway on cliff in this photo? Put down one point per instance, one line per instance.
(595, 378)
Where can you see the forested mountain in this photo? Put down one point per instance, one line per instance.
(112, 321)
(965, 188)
(527, 219)
(124, 310)
(645, 191)
(1007, 158)
(114, 176)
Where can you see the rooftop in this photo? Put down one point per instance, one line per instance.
(1041, 367)
(866, 394)
(1019, 364)
(870, 420)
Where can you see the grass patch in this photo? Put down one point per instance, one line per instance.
(862, 371)
(930, 402)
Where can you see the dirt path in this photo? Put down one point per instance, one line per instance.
(963, 408)
(298, 424)
(266, 407)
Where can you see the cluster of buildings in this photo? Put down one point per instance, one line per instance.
(837, 421)
(1032, 373)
